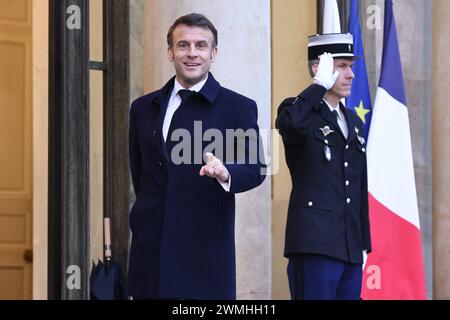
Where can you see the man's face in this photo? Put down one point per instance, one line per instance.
(343, 84)
(191, 53)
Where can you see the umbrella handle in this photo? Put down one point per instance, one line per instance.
(107, 234)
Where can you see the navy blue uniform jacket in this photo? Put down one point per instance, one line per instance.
(328, 206)
(182, 224)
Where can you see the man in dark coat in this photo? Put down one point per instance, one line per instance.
(327, 226)
(193, 146)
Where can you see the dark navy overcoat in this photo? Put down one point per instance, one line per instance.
(183, 243)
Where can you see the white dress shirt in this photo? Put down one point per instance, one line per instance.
(173, 105)
(340, 118)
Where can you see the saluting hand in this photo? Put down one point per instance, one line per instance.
(214, 168)
(324, 75)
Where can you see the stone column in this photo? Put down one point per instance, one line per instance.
(242, 65)
(292, 22)
(136, 49)
(441, 149)
(414, 23)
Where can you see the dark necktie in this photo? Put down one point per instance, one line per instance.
(184, 94)
(343, 130)
(336, 114)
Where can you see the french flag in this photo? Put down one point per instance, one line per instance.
(395, 268)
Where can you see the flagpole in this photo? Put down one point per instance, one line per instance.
(344, 11)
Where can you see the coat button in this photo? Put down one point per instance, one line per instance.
(363, 149)
(346, 164)
(348, 200)
(310, 204)
(347, 182)
(160, 163)
(346, 147)
(326, 141)
(154, 134)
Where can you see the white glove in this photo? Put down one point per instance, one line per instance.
(325, 76)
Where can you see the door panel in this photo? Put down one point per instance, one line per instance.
(16, 10)
(15, 150)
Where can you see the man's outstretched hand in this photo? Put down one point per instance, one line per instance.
(214, 168)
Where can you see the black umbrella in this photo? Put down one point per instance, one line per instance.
(106, 278)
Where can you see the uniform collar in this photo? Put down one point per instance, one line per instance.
(337, 108)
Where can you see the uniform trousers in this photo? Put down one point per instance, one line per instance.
(319, 277)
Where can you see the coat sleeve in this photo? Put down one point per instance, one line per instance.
(134, 152)
(293, 114)
(248, 169)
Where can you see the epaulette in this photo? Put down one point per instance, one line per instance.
(290, 101)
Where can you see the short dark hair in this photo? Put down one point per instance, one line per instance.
(310, 64)
(193, 20)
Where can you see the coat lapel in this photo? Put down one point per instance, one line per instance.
(211, 89)
(351, 124)
(330, 117)
(161, 101)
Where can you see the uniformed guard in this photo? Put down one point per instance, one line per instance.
(327, 226)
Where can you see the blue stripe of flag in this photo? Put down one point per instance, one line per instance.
(391, 78)
(359, 99)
